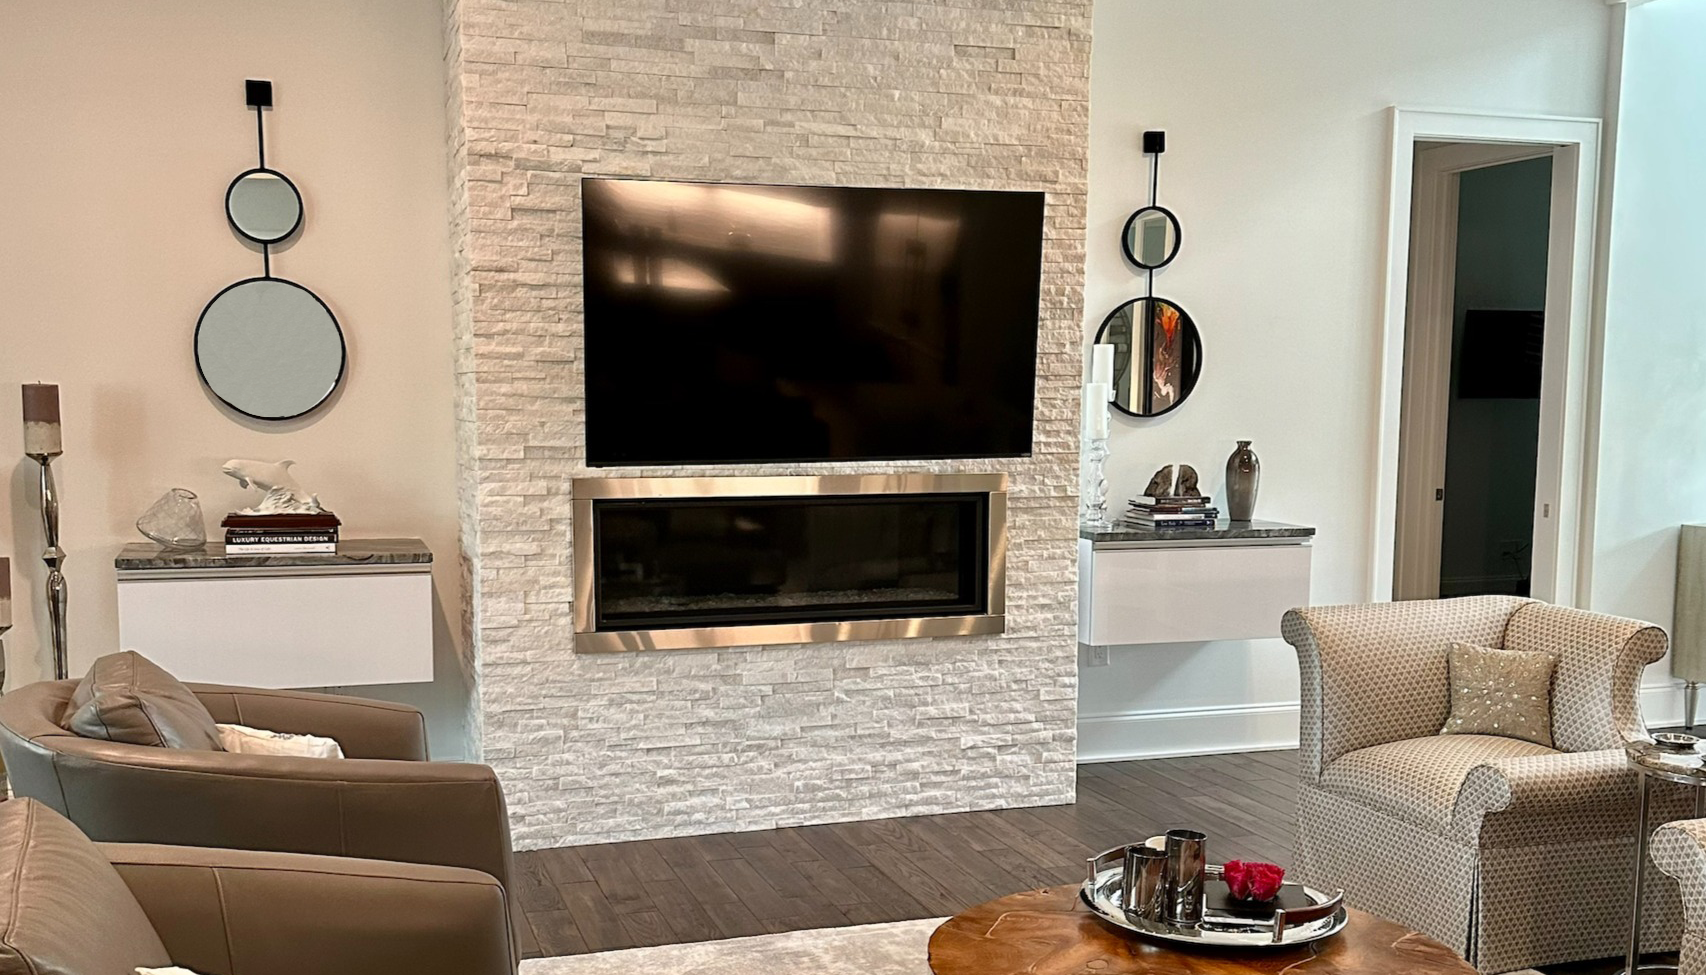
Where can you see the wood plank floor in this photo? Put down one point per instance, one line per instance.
(650, 892)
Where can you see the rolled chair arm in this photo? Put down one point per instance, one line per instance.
(247, 913)
(363, 728)
(1538, 799)
(1679, 849)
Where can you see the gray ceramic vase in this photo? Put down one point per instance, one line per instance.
(1243, 477)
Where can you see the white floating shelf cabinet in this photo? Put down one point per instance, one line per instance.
(1229, 583)
(363, 616)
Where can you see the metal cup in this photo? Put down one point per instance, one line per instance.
(1143, 882)
(1182, 885)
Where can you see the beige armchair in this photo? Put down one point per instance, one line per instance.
(1512, 853)
(1679, 849)
(73, 907)
(384, 801)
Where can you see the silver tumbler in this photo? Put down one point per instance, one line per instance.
(1186, 867)
(1143, 882)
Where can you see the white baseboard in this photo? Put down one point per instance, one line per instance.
(1187, 731)
(1260, 727)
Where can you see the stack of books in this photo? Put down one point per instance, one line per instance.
(281, 534)
(1182, 512)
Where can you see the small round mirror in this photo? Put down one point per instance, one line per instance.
(1151, 237)
(269, 348)
(1157, 355)
(263, 206)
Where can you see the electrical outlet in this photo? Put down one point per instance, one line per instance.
(1095, 656)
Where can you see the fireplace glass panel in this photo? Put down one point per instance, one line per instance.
(670, 563)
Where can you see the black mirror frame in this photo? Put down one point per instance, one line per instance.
(1178, 236)
(232, 219)
(1196, 350)
(343, 348)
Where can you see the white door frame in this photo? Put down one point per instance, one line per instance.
(1563, 501)
(1427, 353)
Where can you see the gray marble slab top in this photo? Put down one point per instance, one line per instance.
(351, 551)
(1223, 530)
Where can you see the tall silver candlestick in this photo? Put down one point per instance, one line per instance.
(42, 443)
(5, 613)
(1093, 483)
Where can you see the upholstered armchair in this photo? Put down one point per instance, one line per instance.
(1679, 849)
(383, 801)
(74, 907)
(1513, 853)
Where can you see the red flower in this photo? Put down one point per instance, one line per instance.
(1253, 881)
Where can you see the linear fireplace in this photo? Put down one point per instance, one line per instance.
(668, 563)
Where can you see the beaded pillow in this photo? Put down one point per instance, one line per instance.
(1501, 692)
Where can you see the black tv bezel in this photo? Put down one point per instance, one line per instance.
(586, 419)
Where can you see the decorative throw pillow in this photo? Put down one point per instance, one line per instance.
(1501, 692)
(127, 698)
(258, 741)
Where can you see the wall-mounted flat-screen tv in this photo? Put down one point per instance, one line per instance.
(746, 324)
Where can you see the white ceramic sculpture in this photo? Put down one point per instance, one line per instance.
(283, 495)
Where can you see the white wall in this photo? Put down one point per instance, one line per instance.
(123, 123)
(1277, 166)
(1652, 466)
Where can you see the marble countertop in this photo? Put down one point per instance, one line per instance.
(351, 551)
(1223, 530)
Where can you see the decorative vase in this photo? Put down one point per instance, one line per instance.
(175, 521)
(1243, 476)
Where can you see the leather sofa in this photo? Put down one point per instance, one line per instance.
(383, 801)
(73, 907)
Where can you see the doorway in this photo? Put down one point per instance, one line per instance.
(1484, 475)
(1475, 342)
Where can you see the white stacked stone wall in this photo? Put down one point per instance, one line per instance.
(980, 94)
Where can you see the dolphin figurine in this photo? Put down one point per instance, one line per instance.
(283, 494)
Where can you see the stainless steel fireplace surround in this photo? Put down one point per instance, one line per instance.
(896, 556)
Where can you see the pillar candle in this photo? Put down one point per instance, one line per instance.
(5, 594)
(41, 420)
(1102, 364)
(1096, 411)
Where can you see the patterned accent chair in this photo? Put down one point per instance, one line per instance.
(1679, 849)
(1512, 853)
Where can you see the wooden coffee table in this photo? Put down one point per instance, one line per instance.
(1051, 932)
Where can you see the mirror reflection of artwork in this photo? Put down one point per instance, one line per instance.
(1157, 355)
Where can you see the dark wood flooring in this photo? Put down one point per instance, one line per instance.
(701, 888)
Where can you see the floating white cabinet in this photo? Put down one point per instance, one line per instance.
(1132, 592)
(330, 622)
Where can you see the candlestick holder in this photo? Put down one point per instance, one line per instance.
(1093, 491)
(54, 556)
(3, 628)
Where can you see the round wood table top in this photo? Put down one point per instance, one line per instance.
(1051, 932)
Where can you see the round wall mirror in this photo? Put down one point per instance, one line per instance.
(1151, 237)
(269, 348)
(1157, 355)
(263, 206)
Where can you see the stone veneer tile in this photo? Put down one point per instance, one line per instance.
(982, 94)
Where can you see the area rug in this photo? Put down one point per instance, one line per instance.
(899, 948)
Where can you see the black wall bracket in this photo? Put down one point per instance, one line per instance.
(258, 93)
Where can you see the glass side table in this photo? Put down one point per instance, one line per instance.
(1667, 765)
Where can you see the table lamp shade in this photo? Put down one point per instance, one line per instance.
(1688, 632)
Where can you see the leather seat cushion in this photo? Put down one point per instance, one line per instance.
(127, 698)
(1417, 779)
(63, 907)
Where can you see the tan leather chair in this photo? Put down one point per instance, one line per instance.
(384, 801)
(72, 907)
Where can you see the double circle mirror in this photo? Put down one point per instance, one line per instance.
(1157, 355)
(269, 348)
(264, 206)
(1151, 237)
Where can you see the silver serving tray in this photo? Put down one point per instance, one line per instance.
(1324, 918)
